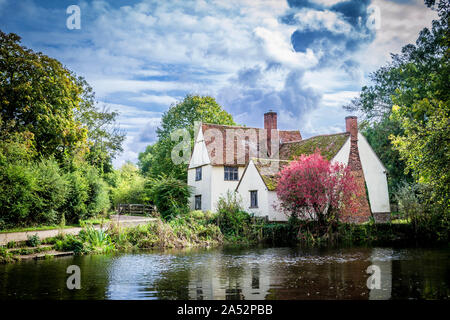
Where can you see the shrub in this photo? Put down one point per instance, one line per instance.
(408, 197)
(5, 256)
(310, 187)
(69, 243)
(17, 183)
(33, 241)
(127, 185)
(49, 193)
(87, 195)
(171, 196)
(232, 220)
(96, 240)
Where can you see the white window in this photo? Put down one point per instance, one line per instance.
(198, 202)
(231, 174)
(198, 174)
(254, 199)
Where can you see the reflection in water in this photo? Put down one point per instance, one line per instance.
(232, 273)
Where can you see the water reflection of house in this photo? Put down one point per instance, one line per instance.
(220, 281)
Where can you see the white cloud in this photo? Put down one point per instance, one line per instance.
(153, 52)
(318, 20)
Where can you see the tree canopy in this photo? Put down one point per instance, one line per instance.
(156, 159)
(51, 107)
(407, 108)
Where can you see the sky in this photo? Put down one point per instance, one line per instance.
(304, 59)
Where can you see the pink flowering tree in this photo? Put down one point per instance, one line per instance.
(310, 187)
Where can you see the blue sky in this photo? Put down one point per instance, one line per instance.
(301, 58)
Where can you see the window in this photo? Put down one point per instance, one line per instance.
(198, 202)
(254, 199)
(198, 174)
(231, 174)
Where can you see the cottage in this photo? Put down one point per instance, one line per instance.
(246, 160)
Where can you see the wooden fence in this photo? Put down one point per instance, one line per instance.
(135, 209)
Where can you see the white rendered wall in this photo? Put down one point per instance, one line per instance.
(201, 187)
(275, 214)
(252, 181)
(219, 186)
(375, 176)
(200, 153)
(266, 199)
(343, 154)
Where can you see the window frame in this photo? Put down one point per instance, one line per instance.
(198, 177)
(199, 207)
(230, 173)
(254, 192)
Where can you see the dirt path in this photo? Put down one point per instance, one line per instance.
(122, 221)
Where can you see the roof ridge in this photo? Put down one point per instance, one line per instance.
(319, 135)
(268, 159)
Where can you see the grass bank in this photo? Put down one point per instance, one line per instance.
(394, 233)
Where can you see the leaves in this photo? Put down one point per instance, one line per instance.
(157, 159)
(311, 187)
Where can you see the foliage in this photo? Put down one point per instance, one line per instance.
(188, 229)
(30, 193)
(104, 137)
(313, 188)
(55, 143)
(5, 256)
(170, 196)
(96, 240)
(53, 108)
(39, 96)
(233, 221)
(87, 195)
(156, 159)
(424, 147)
(410, 201)
(127, 185)
(419, 72)
(33, 241)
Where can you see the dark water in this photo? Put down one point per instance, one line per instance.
(230, 273)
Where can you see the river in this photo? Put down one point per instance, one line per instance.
(238, 273)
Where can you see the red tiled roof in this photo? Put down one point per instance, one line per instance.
(245, 137)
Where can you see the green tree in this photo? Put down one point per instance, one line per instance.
(38, 95)
(53, 108)
(170, 195)
(157, 159)
(127, 185)
(419, 72)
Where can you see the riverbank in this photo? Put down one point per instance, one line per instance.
(205, 229)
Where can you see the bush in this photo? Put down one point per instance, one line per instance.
(408, 198)
(70, 243)
(171, 196)
(49, 193)
(33, 241)
(17, 183)
(232, 220)
(127, 185)
(87, 195)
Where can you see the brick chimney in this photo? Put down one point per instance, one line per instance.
(270, 122)
(351, 125)
(354, 163)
